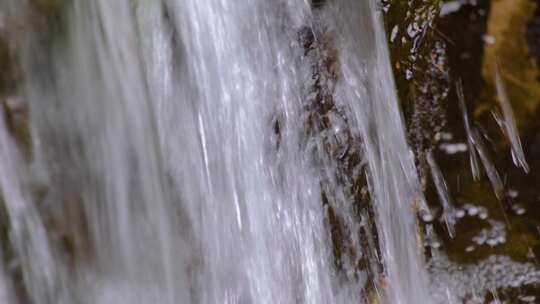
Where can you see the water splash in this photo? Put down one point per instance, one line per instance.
(472, 282)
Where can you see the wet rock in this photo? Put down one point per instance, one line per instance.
(421, 72)
(306, 37)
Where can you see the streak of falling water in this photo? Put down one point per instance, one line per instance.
(27, 231)
(151, 131)
(258, 219)
(473, 156)
(491, 170)
(368, 89)
(444, 196)
(509, 124)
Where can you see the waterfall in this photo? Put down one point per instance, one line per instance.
(368, 89)
(170, 140)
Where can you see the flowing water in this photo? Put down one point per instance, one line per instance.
(156, 174)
